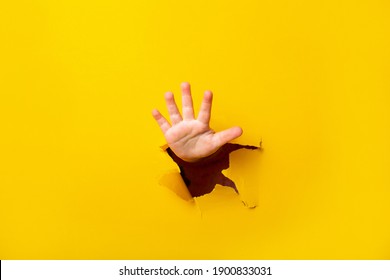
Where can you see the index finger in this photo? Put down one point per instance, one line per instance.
(205, 107)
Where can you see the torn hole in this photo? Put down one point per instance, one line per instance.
(200, 178)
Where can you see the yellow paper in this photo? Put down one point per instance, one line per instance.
(80, 161)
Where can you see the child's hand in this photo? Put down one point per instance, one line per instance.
(189, 138)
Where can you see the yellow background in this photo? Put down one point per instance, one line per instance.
(80, 158)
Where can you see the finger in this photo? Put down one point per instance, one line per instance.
(162, 122)
(227, 135)
(205, 107)
(188, 108)
(173, 111)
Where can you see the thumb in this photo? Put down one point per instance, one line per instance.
(227, 135)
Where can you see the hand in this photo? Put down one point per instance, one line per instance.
(189, 138)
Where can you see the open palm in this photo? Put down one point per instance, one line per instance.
(192, 138)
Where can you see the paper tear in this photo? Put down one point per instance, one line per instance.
(173, 181)
(245, 170)
(202, 176)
